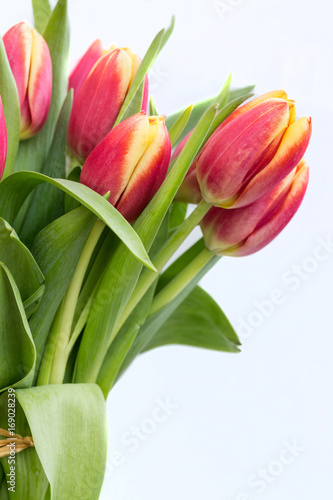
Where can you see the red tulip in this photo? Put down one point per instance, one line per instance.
(30, 61)
(243, 231)
(248, 154)
(100, 81)
(131, 162)
(3, 140)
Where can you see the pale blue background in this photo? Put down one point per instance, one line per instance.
(235, 412)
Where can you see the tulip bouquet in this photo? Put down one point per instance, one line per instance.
(94, 203)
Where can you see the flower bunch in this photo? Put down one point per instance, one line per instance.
(93, 206)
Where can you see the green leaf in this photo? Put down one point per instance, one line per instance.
(22, 265)
(152, 107)
(31, 482)
(33, 152)
(200, 107)
(18, 353)
(123, 271)
(42, 11)
(155, 321)
(178, 127)
(135, 106)
(69, 428)
(177, 215)
(122, 343)
(15, 189)
(11, 105)
(199, 322)
(70, 203)
(147, 62)
(57, 250)
(47, 203)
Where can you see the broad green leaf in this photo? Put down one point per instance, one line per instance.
(31, 482)
(42, 11)
(65, 421)
(22, 265)
(135, 106)
(18, 353)
(123, 271)
(57, 250)
(178, 127)
(33, 152)
(70, 203)
(145, 66)
(15, 189)
(10, 101)
(47, 202)
(200, 107)
(199, 322)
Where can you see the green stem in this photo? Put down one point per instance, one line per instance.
(175, 287)
(61, 352)
(162, 258)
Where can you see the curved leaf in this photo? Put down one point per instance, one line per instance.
(42, 12)
(199, 322)
(18, 353)
(22, 265)
(15, 189)
(69, 427)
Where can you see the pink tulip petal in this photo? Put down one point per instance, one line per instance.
(18, 45)
(149, 173)
(84, 66)
(228, 157)
(110, 165)
(98, 102)
(291, 150)
(268, 231)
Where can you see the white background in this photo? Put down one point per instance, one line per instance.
(235, 413)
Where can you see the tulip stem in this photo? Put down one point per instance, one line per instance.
(62, 345)
(181, 281)
(162, 258)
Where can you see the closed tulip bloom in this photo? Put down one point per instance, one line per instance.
(3, 140)
(131, 163)
(252, 151)
(244, 231)
(101, 81)
(30, 61)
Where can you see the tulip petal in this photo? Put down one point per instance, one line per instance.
(98, 102)
(18, 45)
(84, 66)
(110, 165)
(228, 157)
(290, 152)
(189, 191)
(268, 231)
(40, 85)
(3, 140)
(149, 173)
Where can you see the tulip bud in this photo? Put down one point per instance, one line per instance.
(31, 65)
(3, 140)
(252, 151)
(243, 231)
(100, 81)
(131, 162)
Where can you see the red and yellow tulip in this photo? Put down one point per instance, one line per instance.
(100, 81)
(258, 145)
(30, 61)
(243, 231)
(3, 140)
(131, 163)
